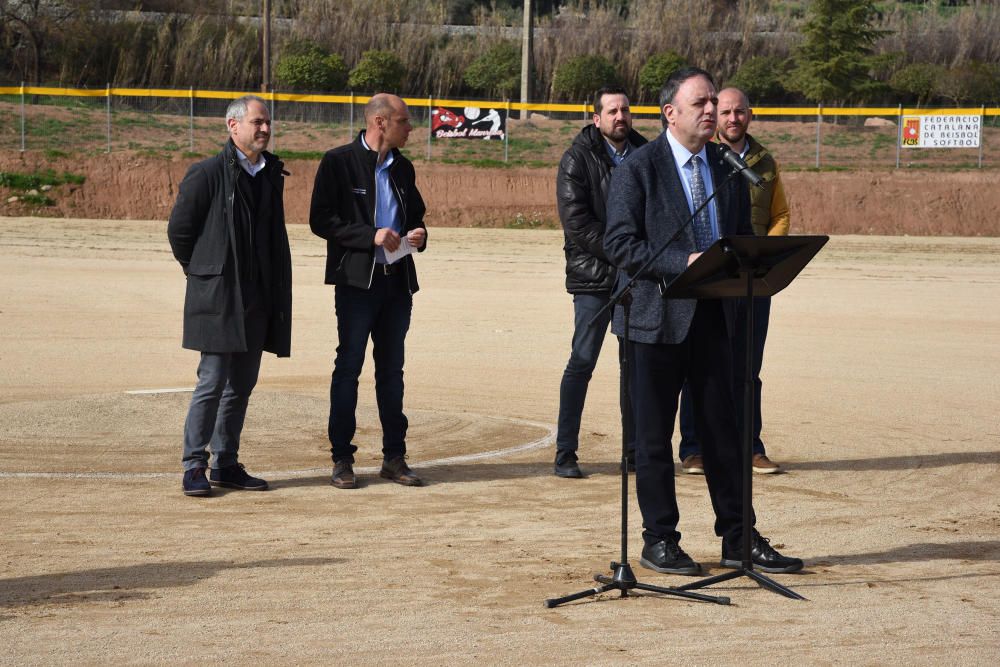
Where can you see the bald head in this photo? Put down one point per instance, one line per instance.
(381, 104)
(734, 118)
(735, 94)
(387, 121)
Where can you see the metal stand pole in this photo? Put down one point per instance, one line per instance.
(746, 568)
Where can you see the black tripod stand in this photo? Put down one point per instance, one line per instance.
(622, 578)
(742, 267)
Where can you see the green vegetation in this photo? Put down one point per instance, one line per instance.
(533, 220)
(579, 77)
(497, 71)
(916, 82)
(377, 71)
(833, 62)
(301, 155)
(481, 163)
(32, 189)
(782, 51)
(305, 66)
(762, 78)
(881, 142)
(36, 199)
(20, 181)
(654, 73)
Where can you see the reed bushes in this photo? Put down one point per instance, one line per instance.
(216, 43)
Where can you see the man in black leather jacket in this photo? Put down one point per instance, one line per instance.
(581, 192)
(366, 205)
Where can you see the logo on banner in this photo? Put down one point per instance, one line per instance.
(911, 132)
(941, 131)
(468, 123)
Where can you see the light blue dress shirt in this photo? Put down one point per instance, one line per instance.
(617, 157)
(386, 204)
(252, 169)
(682, 158)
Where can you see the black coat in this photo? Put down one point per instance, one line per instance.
(202, 236)
(581, 192)
(343, 212)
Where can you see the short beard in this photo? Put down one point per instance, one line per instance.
(616, 134)
(724, 135)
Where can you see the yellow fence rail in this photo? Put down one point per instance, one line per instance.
(818, 112)
(584, 107)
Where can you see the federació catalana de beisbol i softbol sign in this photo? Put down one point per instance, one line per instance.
(469, 123)
(941, 131)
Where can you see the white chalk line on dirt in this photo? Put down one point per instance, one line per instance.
(544, 441)
(177, 390)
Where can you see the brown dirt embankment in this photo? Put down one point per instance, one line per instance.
(137, 187)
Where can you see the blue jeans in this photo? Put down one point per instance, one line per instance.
(587, 343)
(690, 444)
(219, 403)
(383, 314)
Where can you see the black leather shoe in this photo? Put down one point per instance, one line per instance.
(569, 470)
(195, 483)
(765, 558)
(397, 470)
(343, 476)
(236, 477)
(667, 557)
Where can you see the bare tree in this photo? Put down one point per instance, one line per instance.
(33, 23)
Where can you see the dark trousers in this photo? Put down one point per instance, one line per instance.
(761, 315)
(658, 372)
(586, 348)
(219, 403)
(383, 314)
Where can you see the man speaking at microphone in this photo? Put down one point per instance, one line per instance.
(652, 196)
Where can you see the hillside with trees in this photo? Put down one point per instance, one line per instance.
(915, 52)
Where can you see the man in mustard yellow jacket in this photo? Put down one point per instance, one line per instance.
(769, 217)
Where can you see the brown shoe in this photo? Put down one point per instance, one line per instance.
(693, 465)
(343, 476)
(397, 470)
(764, 465)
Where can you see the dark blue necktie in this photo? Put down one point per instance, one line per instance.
(702, 225)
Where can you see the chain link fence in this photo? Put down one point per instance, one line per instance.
(64, 121)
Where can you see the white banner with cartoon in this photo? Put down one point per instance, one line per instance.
(469, 123)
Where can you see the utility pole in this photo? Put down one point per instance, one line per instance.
(265, 45)
(526, 40)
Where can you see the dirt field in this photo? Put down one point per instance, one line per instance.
(880, 399)
(133, 187)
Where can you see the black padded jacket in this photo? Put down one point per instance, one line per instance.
(581, 193)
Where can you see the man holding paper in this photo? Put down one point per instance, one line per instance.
(366, 205)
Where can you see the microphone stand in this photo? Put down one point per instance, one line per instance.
(623, 578)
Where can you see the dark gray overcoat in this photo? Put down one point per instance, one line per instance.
(202, 236)
(646, 207)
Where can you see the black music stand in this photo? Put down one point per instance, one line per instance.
(745, 267)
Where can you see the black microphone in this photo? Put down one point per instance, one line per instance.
(737, 164)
